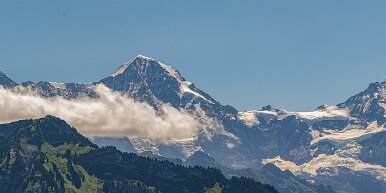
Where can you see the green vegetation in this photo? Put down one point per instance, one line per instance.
(75, 177)
(127, 186)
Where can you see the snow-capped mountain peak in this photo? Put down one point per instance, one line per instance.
(141, 58)
(142, 62)
(149, 80)
(144, 57)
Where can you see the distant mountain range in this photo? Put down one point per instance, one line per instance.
(339, 145)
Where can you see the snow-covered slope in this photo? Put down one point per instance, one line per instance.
(324, 112)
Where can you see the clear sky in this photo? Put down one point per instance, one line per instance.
(292, 54)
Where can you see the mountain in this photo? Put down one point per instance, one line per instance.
(35, 157)
(240, 141)
(200, 158)
(339, 145)
(368, 105)
(122, 144)
(47, 155)
(283, 181)
(146, 79)
(6, 82)
(344, 146)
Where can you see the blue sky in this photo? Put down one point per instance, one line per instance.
(291, 54)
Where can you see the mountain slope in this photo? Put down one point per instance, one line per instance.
(29, 162)
(47, 155)
(283, 181)
(374, 149)
(368, 105)
(6, 82)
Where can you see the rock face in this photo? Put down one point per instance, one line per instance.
(368, 105)
(6, 82)
(374, 149)
(343, 140)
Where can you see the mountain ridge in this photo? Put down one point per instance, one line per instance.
(291, 140)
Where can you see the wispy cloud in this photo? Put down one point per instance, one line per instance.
(112, 114)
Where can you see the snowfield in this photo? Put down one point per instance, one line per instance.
(329, 163)
(350, 132)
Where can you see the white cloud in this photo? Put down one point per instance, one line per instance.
(112, 114)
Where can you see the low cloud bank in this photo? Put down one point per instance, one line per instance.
(112, 114)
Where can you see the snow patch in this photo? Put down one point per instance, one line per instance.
(331, 162)
(327, 113)
(249, 117)
(315, 134)
(230, 145)
(121, 69)
(58, 85)
(384, 107)
(184, 88)
(350, 132)
(144, 57)
(144, 145)
(171, 71)
(188, 146)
